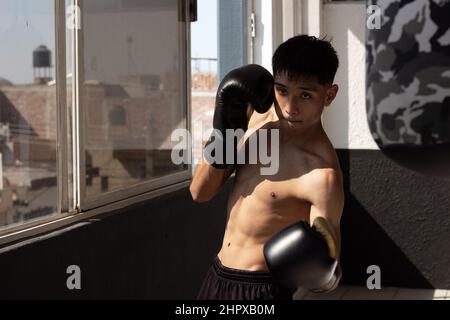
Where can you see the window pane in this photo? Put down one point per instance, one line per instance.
(223, 24)
(27, 111)
(204, 66)
(133, 91)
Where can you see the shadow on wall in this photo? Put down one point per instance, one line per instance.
(365, 243)
(396, 219)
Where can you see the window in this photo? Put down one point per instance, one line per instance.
(129, 62)
(28, 165)
(112, 119)
(219, 44)
(117, 116)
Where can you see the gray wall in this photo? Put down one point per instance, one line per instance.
(394, 218)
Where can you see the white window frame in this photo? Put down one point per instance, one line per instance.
(282, 20)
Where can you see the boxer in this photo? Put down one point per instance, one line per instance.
(283, 230)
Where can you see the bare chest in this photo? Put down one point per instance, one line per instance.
(280, 194)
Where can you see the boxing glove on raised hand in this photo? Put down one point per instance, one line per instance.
(250, 85)
(304, 256)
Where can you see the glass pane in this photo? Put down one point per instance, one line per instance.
(28, 188)
(133, 91)
(204, 80)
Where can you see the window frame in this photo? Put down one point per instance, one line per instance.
(72, 208)
(83, 202)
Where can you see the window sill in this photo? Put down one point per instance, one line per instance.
(21, 235)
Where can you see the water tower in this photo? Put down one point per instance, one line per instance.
(42, 70)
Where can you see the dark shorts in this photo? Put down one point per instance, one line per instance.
(223, 283)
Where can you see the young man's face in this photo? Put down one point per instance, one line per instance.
(300, 102)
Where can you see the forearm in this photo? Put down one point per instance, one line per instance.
(207, 182)
(251, 85)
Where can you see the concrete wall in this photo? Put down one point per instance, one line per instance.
(395, 218)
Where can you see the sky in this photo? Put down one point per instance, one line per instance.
(204, 31)
(26, 24)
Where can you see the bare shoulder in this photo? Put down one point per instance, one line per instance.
(327, 164)
(324, 179)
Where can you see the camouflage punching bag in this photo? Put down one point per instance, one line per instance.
(408, 82)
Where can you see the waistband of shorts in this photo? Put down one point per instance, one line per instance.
(242, 275)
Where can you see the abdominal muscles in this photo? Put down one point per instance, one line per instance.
(252, 222)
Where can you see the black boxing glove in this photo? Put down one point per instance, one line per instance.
(304, 256)
(251, 85)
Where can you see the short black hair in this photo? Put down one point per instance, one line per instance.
(306, 56)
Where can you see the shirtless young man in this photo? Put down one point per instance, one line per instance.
(308, 183)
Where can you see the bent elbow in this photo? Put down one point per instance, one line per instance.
(199, 196)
